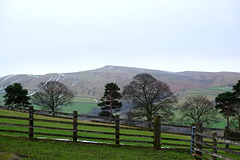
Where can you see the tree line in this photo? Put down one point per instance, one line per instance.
(148, 97)
(145, 95)
(51, 95)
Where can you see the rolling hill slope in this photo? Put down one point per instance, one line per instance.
(91, 83)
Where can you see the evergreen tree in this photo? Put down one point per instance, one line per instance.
(226, 103)
(229, 104)
(110, 100)
(236, 118)
(236, 89)
(16, 96)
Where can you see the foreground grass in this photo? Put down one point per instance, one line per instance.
(45, 149)
(82, 127)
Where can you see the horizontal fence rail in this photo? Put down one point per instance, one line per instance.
(214, 145)
(105, 133)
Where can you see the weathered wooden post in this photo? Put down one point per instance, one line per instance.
(226, 135)
(31, 122)
(199, 138)
(192, 139)
(75, 116)
(157, 132)
(117, 137)
(214, 136)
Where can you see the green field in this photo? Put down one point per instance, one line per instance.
(44, 149)
(81, 127)
(210, 93)
(40, 149)
(84, 100)
(82, 105)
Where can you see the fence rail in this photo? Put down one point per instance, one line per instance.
(71, 128)
(216, 140)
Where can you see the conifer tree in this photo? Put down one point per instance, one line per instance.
(110, 100)
(16, 96)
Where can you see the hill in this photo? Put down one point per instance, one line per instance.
(90, 84)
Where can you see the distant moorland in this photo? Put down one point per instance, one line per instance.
(90, 84)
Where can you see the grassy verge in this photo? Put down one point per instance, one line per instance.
(44, 149)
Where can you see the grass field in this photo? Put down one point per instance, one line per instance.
(44, 149)
(111, 130)
(82, 105)
(47, 149)
(210, 93)
(40, 149)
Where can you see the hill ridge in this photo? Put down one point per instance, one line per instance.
(91, 83)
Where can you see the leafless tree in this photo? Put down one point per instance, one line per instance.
(149, 97)
(52, 95)
(199, 109)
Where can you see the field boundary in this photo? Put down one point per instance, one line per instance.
(153, 138)
(201, 145)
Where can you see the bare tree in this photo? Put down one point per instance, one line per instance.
(149, 97)
(52, 95)
(199, 109)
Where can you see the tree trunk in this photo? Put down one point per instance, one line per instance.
(111, 108)
(110, 104)
(239, 123)
(228, 110)
(53, 114)
(149, 124)
(227, 121)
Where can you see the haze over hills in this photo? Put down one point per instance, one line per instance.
(90, 84)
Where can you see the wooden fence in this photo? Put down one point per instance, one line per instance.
(148, 137)
(205, 147)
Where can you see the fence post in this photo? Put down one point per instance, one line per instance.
(226, 135)
(199, 139)
(31, 122)
(75, 116)
(214, 135)
(192, 139)
(157, 132)
(117, 130)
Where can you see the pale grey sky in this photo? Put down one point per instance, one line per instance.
(58, 36)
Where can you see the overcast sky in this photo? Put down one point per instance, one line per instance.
(59, 36)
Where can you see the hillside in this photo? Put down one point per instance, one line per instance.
(91, 83)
